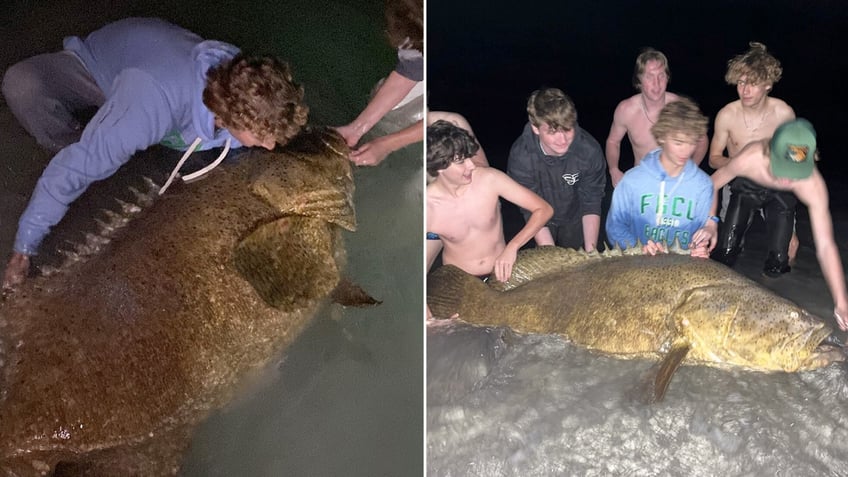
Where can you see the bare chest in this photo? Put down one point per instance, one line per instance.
(455, 220)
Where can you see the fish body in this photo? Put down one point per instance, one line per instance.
(109, 363)
(670, 306)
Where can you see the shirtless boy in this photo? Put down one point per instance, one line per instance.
(753, 117)
(463, 208)
(786, 163)
(636, 115)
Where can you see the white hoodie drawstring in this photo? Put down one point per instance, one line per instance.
(201, 172)
(662, 194)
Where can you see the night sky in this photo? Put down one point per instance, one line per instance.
(484, 60)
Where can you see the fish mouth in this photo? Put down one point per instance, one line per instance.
(830, 348)
(832, 344)
(338, 149)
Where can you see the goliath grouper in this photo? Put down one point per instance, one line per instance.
(108, 364)
(670, 305)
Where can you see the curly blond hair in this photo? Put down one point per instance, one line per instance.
(758, 64)
(256, 94)
(681, 116)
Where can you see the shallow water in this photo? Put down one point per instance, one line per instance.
(346, 399)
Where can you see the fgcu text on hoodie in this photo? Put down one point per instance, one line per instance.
(152, 74)
(648, 204)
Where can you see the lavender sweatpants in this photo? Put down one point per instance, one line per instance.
(53, 97)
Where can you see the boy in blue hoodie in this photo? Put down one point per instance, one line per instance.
(147, 82)
(667, 198)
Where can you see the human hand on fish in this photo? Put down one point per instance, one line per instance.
(699, 250)
(16, 271)
(371, 153)
(652, 248)
(504, 263)
(841, 316)
(706, 236)
(351, 133)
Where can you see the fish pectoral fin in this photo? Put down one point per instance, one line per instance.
(348, 293)
(290, 261)
(655, 384)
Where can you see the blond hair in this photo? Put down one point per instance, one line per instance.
(649, 54)
(681, 116)
(757, 64)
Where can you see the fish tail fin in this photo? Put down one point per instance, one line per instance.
(449, 288)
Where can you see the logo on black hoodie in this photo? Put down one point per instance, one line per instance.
(571, 179)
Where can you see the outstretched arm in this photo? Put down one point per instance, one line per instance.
(590, 193)
(540, 213)
(613, 146)
(591, 230)
(122, 126)
(391, 92)
(815, 197)
(16, 271)
(519, 168)
(719, 142)
(375, 151)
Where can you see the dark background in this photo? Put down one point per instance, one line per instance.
(484, 60)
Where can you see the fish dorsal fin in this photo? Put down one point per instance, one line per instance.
(538, 262)
(289, 262)
(655, 384)
(313, 179)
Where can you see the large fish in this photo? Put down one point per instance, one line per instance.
(109, 363)
(672, 306)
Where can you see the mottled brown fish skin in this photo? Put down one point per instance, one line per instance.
(108, 364)
(637, 305)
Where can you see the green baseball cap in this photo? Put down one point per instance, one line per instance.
(793, 148)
